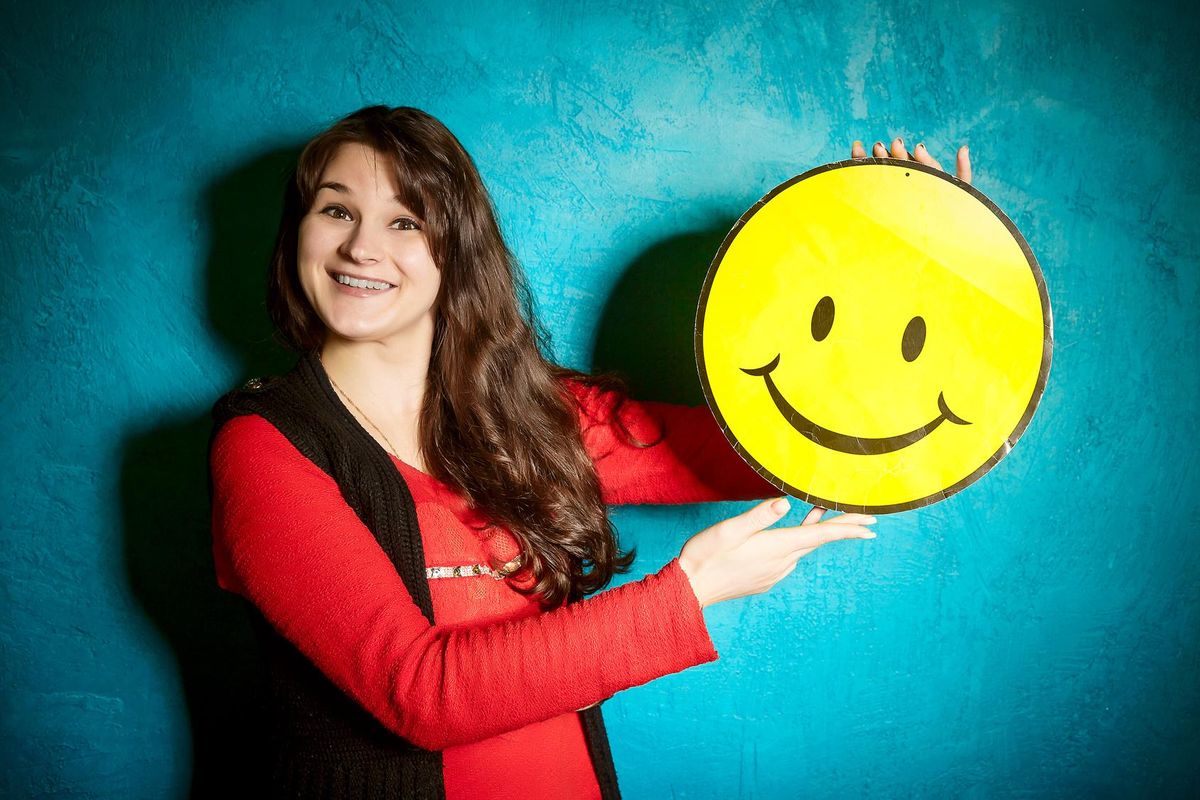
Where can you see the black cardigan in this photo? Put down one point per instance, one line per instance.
(322, 743)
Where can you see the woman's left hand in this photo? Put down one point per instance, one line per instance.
(962, 166)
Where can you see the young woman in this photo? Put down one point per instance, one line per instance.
(416, 511)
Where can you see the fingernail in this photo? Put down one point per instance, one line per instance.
(921, 147)
(780, 506)
(869, 536)
(901, 141)
(879, 144)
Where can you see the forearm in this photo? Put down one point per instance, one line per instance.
(462, 685)
(439, 686)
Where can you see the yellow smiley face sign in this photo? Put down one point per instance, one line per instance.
(874, 335)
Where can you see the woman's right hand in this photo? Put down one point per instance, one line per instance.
(739, 557)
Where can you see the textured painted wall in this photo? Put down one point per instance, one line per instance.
(1035, 635)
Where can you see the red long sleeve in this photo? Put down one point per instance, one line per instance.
(690, 460)
(285, 539)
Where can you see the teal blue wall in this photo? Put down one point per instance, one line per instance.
(1035, 635)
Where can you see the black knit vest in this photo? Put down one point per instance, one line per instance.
(322, 743)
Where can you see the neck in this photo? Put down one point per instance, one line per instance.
(388, 377)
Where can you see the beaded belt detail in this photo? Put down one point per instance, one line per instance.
(470, 570)
(462, 572)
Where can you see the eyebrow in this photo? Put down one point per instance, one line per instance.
(337, 187)
(344, 189)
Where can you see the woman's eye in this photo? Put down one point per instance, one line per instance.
(406, 224)
(337, 212)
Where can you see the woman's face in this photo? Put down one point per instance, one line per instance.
(363, 259)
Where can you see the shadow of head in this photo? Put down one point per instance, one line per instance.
(244, 209)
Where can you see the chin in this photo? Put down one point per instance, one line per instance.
(394, 332)
(356, 332)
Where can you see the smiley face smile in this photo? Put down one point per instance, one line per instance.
(855, 445)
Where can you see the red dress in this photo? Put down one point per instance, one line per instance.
(495, 684)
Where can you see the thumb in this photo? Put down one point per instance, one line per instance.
(761, 516)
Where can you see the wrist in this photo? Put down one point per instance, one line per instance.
(689, 570)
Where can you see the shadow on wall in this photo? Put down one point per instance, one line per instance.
(165, 505)
(647, 331)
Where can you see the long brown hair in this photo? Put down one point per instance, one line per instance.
(497, 421)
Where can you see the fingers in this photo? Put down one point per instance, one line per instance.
(879, 150)
(844, 526)
(962, 160)
(962, 166)
(851, 519)
(761, 516)
(814, 536)
(923, 156)
(813, 516)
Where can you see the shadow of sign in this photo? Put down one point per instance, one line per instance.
(647, 329)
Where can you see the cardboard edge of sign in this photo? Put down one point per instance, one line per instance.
(1009, 442)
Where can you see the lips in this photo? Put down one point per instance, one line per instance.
(844, 443)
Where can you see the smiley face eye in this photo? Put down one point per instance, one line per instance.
(914, 339)
(822, 318)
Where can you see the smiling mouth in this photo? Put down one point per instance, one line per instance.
(855, 445)
(357, 282)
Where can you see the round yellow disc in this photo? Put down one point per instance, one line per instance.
(874, 335)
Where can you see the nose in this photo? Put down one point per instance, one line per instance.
(361, 246)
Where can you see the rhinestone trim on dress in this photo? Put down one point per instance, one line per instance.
(462, 572)
(470, 570)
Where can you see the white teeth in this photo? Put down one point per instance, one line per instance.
(358, 283)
